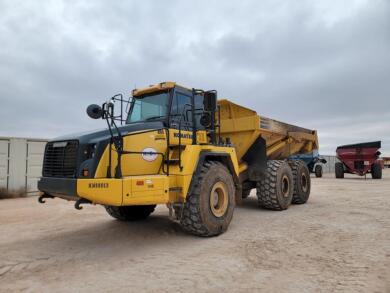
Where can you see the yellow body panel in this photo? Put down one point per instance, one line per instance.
(102, 191)
(154, 88)
(125, 191)
(156, 187)
(135, 164)
(186, 137)
(201, 137)
(153, 190)
(190, 157)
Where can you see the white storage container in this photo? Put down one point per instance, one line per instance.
(21, 162)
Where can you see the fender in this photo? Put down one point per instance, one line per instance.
(222, 157)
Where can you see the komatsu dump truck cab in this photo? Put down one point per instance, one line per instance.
(183, 148)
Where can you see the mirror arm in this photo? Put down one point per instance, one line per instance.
(116, 140)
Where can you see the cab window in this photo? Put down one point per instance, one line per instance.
(198, 111)
(181, 110)
(148, 107)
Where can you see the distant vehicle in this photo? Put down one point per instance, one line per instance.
(386, 162)
(360, 159)
(313, 161)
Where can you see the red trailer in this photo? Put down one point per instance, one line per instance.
(360, 159)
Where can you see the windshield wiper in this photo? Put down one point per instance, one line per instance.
(154, 117)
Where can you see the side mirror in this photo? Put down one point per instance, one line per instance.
(210, 101)
(94, 111)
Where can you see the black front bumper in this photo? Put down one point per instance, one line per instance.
(53, 186)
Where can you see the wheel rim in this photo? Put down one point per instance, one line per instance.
(219, 199)
(304, 182)
(285, 186)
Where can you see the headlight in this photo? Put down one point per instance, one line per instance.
(89, 151)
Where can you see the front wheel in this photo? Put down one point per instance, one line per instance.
(318, 171)
(208, 210)
(130, 213)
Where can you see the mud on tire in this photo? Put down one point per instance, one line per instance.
(275, 191)
(302, 183)
(198, 216)
(130, 213)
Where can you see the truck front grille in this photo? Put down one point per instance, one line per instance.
(60, 159)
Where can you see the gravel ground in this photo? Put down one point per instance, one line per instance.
(338, 242)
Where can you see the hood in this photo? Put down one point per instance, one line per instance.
(96, 142)
(104, 134)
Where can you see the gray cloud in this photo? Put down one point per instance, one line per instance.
(322, 65)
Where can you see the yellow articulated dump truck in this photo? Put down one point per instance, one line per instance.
(183, 148)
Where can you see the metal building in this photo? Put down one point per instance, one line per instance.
(329, 166)
(386, 162)
(21, 163)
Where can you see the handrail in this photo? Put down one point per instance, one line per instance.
(181, 119)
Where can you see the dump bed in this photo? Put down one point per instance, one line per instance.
(243, 126)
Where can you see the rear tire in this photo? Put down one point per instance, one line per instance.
(275, 191)
(318, 171)
(130, 213)
(339, 170)
(376, 171)
(302, 184)
(208, 210)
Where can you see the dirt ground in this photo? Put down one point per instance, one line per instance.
(338, 242)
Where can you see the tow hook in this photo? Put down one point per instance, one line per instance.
(41, 198)
(81, 201)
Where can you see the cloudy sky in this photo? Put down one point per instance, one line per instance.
(323, 65)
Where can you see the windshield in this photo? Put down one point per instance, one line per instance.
(148, 107)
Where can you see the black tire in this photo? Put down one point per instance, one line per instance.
(198, 216)
(130, 213)
(318, 171)
(339, 170)
(302, 184)
(246, 193)
(376, 171)
(275, 191)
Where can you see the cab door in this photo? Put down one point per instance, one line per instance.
(181, 124)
